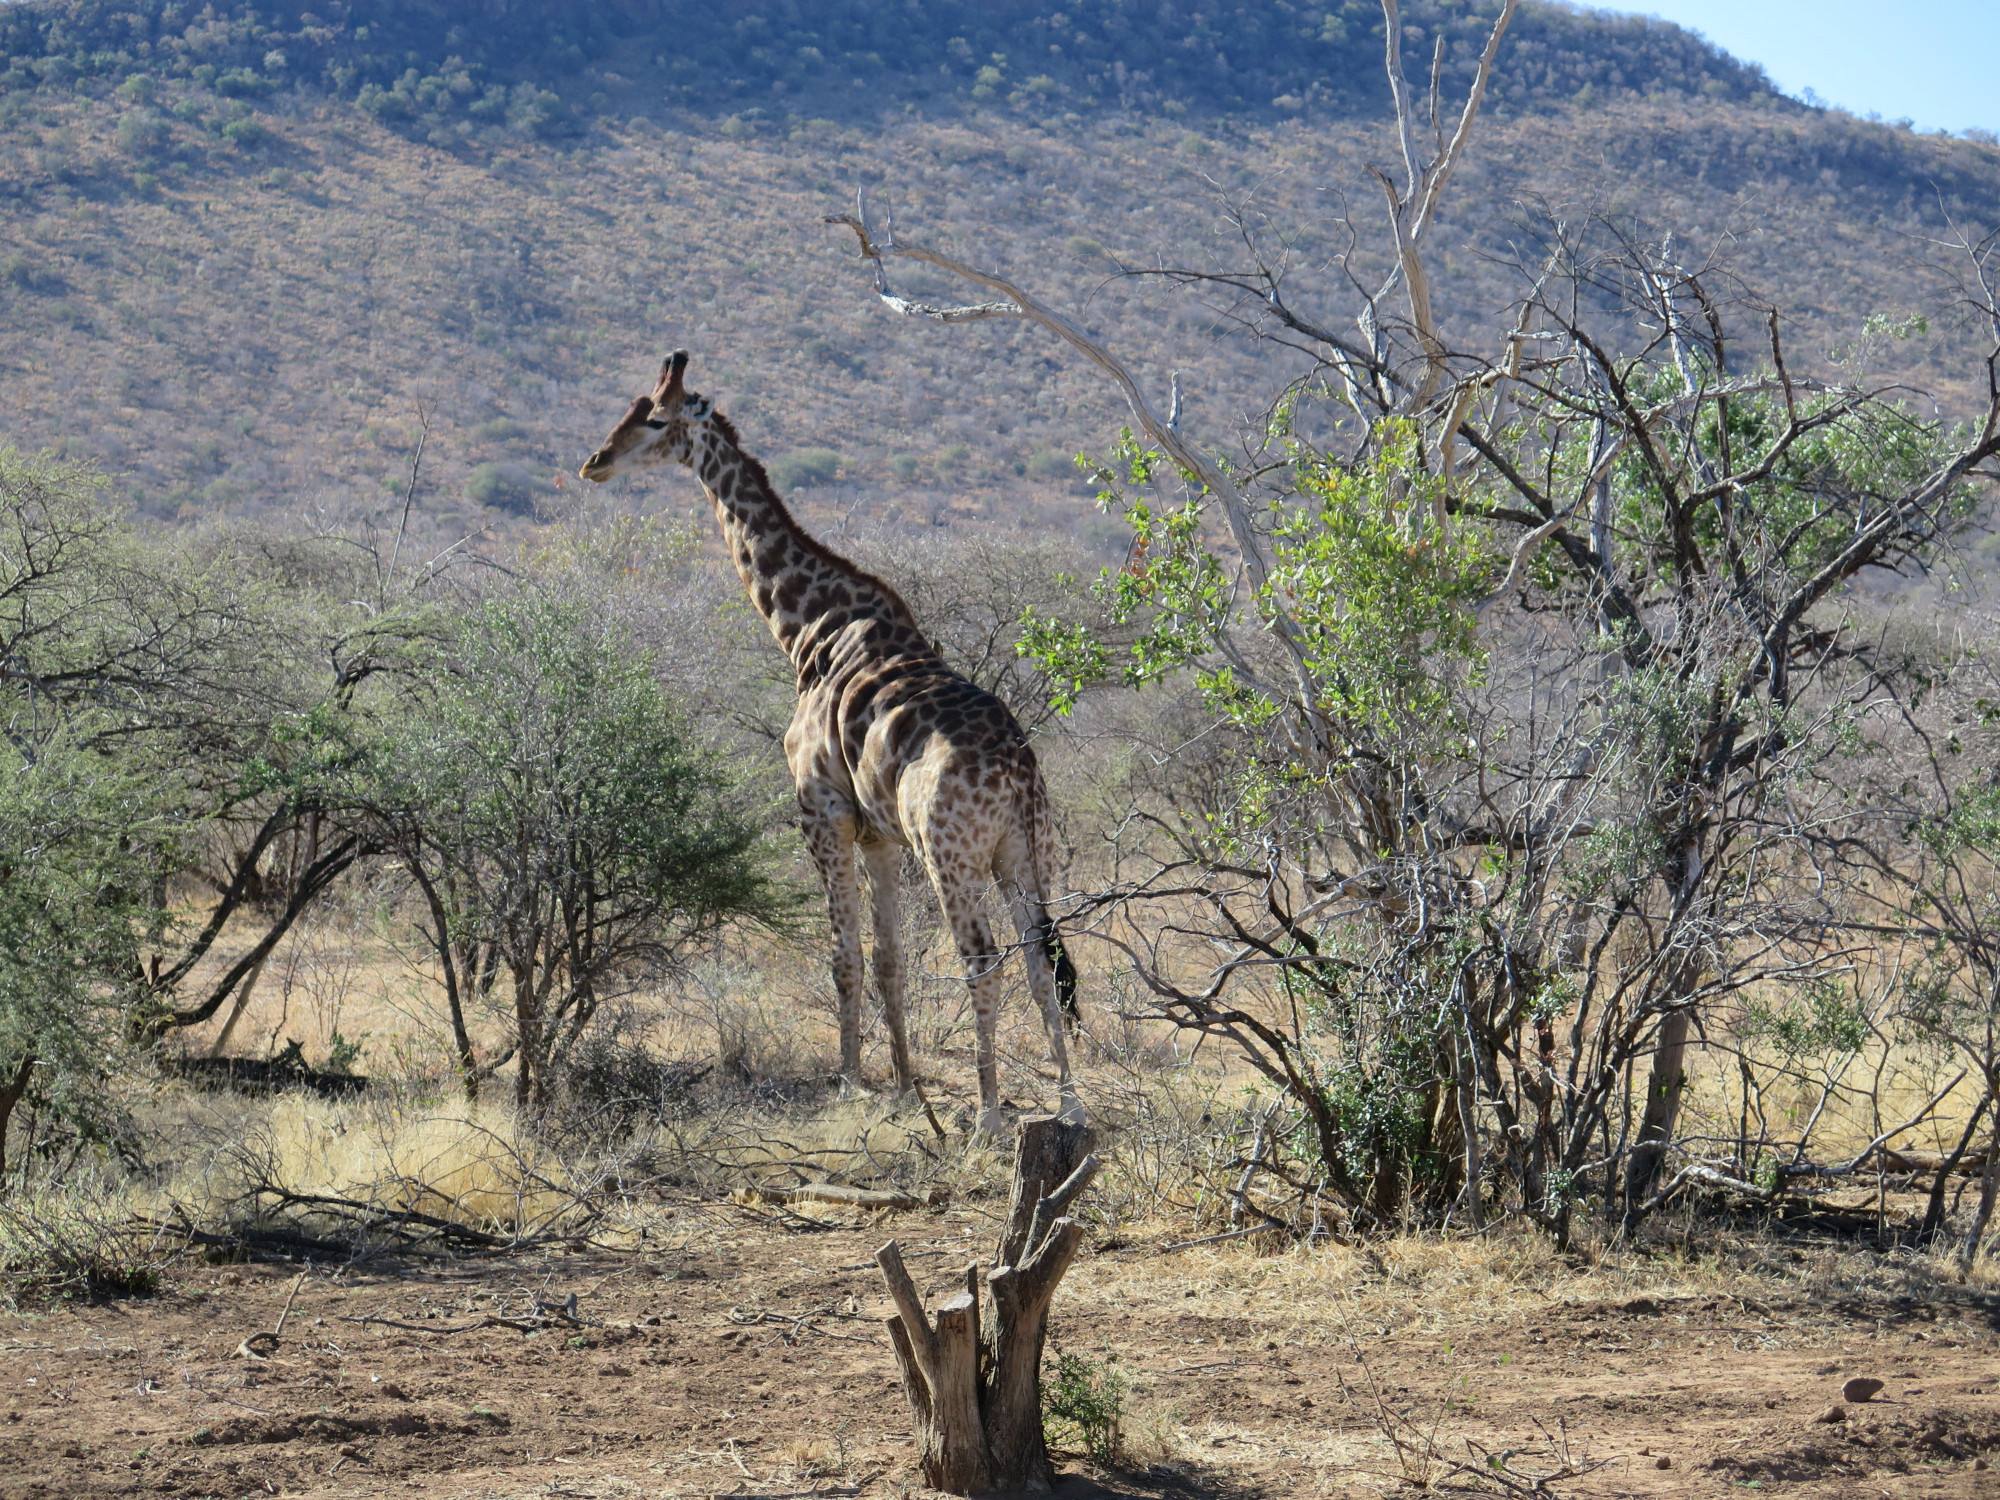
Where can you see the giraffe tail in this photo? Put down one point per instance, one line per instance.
(1065, 978)
(1042, 852)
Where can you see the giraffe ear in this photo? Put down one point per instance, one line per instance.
(670, 375)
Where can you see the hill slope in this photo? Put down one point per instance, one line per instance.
(239, 297)
(459, 66)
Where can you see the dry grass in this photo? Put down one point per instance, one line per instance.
(1432, 1286)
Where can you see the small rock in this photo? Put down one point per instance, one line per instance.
(613, 1372)
(1861, 1388)
(1663, 1462)
(1979, 1463)
(1834, 1413)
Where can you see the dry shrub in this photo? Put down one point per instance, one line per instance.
(734, 1015)
(404, 1168)
(348, 1168)
(74, 1239)
(854, 1142)
(1151, 1437)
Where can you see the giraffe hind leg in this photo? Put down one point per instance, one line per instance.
(960, 894)
(884, 862)
(833, 851)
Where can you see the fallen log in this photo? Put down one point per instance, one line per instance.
(851, 1197)
(1971, 1164)
(256, 1075)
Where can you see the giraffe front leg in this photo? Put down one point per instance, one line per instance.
(885, 867)
(833, 851)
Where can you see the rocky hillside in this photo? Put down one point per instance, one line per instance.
(238, 276)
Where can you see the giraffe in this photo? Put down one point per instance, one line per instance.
(889, 749)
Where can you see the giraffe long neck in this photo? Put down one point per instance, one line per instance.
(808, 595)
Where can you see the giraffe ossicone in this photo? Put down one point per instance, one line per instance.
(889, 749)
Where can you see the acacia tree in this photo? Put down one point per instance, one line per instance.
(114, 669)
(1927, 882)
(566, 830)
(1520, 679)
(81, 837)
(206, 654)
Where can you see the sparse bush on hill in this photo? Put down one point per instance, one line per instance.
(506, 486)
(805, 468)
(445, 70)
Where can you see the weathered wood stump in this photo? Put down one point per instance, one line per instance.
(974, 1375)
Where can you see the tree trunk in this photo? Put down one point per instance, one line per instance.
(1663, 1107)
(1934, 1208)
(243, 993)
(530, 1082)
(974, 1383)
(11, 1091)
(1989, 1188)
(457, 963)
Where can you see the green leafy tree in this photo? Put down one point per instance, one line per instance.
(569, 834)
(83, 836)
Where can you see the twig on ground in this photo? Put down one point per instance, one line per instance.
(297, 1282)
(532, 1324)
(1212, 1239)
(1498, 1467)
(830, 1192)
(799, 1325)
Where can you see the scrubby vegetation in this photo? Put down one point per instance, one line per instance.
(1523, 733)
(451, 70)
(242, 298)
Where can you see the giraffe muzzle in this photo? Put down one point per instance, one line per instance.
(596, 468)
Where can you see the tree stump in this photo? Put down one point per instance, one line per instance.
(974, 1375)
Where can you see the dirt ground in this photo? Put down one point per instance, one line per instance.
(749, 1360)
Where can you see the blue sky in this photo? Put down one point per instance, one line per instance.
(1933, 62)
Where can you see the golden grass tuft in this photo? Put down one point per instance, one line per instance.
(473, 1165)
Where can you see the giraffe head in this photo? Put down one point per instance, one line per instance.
(665, 427)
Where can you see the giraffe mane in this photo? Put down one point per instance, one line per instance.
(755, 473)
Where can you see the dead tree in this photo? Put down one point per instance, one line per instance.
(973, 1374)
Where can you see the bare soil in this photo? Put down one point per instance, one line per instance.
(750, 1361)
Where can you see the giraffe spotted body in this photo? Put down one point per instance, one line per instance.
(889, 748)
